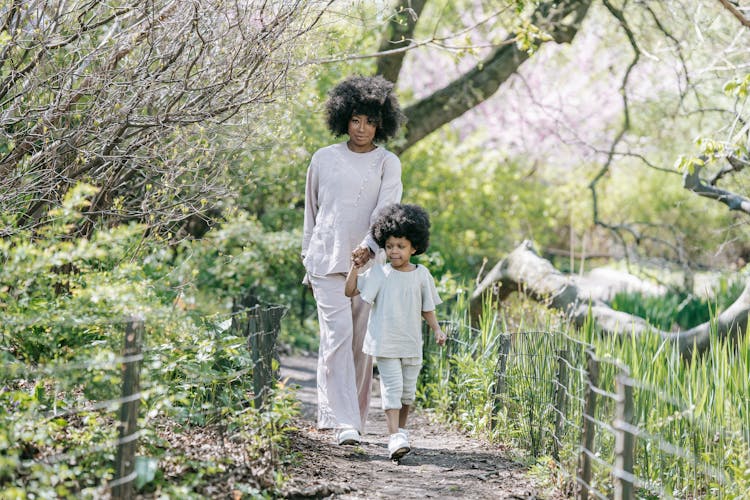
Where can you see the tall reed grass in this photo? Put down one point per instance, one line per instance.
(502, 380)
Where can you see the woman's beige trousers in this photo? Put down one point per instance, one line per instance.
(344, 371)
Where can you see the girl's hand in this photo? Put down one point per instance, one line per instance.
(360, 256)
(440, 337)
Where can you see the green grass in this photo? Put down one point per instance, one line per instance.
(681, 309)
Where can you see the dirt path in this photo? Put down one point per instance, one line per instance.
(442, 464)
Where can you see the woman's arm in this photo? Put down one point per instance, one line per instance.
(389, 192)
(350, 289)
(311, 205)
(431, 319)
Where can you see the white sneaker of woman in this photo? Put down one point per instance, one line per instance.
(348, 436)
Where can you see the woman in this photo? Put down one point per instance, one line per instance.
(347, 184)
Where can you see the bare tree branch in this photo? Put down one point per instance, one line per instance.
(735, 12)
(677, 47)
(623, 91)
(560, 19)
(444, 42)
(735, 165)
(524, 271)
(131, 96)
(616, 229)
(620, 230)
(693, 182)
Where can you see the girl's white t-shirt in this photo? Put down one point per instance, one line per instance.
(398, 299)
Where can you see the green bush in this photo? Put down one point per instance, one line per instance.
(65, 303)
(480, 203)
(60, 295)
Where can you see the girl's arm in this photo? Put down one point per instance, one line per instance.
(350, 289)
(431, 319)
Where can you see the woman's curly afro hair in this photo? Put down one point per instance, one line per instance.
(364, 95)
(403, 221)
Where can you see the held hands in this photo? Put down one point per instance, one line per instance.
(360, 256)
(440, 336)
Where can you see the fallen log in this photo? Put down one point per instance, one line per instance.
(524, 271)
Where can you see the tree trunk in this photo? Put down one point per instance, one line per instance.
(523, 270)
(398, 35)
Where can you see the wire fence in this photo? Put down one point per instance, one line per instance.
(606, 433)
(72, 428)
(548, 393)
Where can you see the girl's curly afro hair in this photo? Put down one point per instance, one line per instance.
(364, 95)
(403, 221)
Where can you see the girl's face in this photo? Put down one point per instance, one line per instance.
(399, 250)
(361, 133)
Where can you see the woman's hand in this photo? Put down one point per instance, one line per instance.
(360, 256)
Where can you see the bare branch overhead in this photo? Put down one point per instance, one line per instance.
(128, 96)
(693, 182)
(560, 20)
(741, 17)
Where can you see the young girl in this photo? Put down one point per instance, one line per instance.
(401, 294)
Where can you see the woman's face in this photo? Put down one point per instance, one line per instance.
(361, 132)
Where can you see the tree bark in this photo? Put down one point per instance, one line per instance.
(398, 35)
(560, 19)
(523, 270)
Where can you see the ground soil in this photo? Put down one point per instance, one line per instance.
(443, 463)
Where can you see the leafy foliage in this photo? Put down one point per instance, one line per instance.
(238, 257)
(47, 275)
(479, 201)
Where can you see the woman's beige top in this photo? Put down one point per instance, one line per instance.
(343, 195)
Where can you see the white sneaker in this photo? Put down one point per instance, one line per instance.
(348, 436)
(404, 432)
(398, 445)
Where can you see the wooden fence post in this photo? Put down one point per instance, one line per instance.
(561, 388)
(451, 348)
(263, 329)
(502, 363)
(240, 306)
(624, 440)
(587, 437)
(122, 486)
